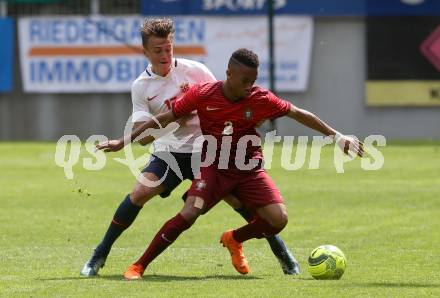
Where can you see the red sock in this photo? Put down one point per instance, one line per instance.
(166, 235)
(258, 228)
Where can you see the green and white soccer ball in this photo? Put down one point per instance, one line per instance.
(327, 262)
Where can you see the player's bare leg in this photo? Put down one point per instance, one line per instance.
(288, 263)
(124, 216)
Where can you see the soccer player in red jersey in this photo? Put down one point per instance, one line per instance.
(229, 112)
(165, 79)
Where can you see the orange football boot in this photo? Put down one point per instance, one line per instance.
(134, 272)
(236, 250)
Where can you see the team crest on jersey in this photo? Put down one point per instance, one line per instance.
(184, 87)
(248, 114)
(201, 185)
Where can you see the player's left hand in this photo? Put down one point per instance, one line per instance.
(350, 145)
(111, 145)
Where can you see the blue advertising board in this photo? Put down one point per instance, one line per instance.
(6, 54)
(294, 7)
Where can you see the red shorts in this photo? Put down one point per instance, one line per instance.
(255, 189)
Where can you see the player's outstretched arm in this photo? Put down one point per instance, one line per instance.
(115, 145)
(146, 140)
(309, 119)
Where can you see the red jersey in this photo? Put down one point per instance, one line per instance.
(222, 117)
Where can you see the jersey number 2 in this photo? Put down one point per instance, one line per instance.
(229, 129)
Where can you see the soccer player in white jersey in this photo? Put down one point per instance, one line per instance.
(153, 92)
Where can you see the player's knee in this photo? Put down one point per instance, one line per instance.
(192, 209)
(284, 218)
(141, 195)
(190, 214)
(280, 221)
(137, 199)
(283, 221)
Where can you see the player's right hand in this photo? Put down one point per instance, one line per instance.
(111, 145)
(349, 145)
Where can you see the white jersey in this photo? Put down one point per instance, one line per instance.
(154, 94)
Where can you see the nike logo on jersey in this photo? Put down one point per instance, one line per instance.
(152, 97)
(211, 108)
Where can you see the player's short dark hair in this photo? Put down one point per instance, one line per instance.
(245, 57)
(160, 27)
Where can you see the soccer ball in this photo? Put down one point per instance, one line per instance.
(327, 262)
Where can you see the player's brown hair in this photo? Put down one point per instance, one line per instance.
(160, 27)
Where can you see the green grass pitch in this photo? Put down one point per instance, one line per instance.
(387, 222)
